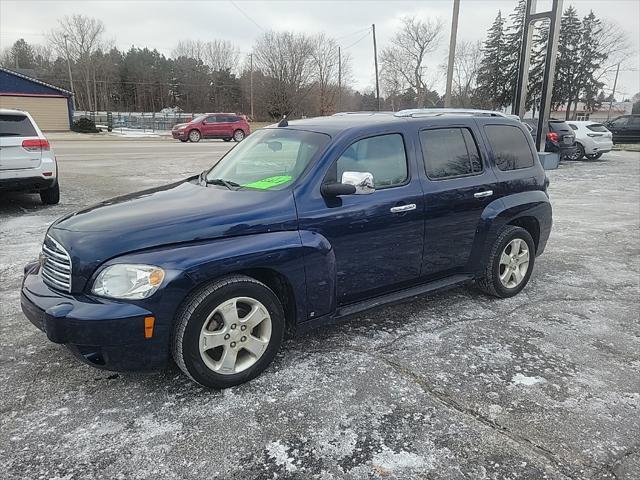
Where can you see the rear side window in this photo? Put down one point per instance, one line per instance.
(449, 152)
(382, 156)
(597, 127)
(16, 126)
(510, 147)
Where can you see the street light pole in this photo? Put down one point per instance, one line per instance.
(452, 52)
(66, 49)
(613, 93)
(339, 79)
(375, 59)
(251, 83)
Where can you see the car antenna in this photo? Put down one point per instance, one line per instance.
(283, 122)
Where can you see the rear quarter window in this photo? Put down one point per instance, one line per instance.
(16, 126)
(510, 147)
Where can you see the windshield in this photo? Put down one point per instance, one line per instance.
(269, 159)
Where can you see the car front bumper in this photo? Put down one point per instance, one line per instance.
(100, 332)
(179, 135)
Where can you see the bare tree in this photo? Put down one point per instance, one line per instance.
(326, 70)
(189, 49)
(285, 59)
(404, 58)
(221, 55)
(79, 37)
(466, 65)
(614, 45)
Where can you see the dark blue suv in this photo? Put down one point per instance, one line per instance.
(300, 225)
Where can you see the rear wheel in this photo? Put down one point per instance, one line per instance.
(228, 332)
(578, 154)
(510, 263)
(227, 139)
(51, 196)
(194, 136)
(238, 135)
(594, 156)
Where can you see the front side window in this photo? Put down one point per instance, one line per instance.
(449, 152)
(620, 122)
(269, 159)
(212, 119)
(382, 156)
(510, 147)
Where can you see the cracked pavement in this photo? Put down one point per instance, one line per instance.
(448, 386)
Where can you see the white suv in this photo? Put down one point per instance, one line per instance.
(26, 160)
(592, 139)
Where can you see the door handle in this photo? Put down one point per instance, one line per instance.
(403, 208)
(486, 193)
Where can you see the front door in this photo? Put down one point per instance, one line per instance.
(376, 238)
(210, 127)
(458, 186)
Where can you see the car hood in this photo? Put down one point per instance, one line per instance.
(179, 125)
(177, 213)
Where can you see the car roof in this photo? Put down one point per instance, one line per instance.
(361, 121)
(10, 111)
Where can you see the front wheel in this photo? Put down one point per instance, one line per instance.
(238, 135)
(50, 196)
(228, 332)
(194, 136)
(510, 263)
(183, 140)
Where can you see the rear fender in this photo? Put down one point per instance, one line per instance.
(508, 210)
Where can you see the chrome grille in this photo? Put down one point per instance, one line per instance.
(56, 265)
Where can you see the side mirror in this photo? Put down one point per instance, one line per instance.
(362, 181)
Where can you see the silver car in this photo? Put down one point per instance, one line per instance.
(592, 139)
(27, 162)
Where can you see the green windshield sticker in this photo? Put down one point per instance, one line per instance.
(269, 182)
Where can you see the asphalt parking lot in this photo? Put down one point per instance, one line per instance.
(450, 386)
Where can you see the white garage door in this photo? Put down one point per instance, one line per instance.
(50, 113)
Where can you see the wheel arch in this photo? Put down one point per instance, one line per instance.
(531, 225)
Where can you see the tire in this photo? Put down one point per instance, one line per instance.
(594, 156)
(227, 139)
(579, 153)
(184, 140)
(238, 135)
(490, 282)
(201, 316)
(194, 136)
(50, 196)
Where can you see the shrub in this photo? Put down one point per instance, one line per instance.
(84, 125)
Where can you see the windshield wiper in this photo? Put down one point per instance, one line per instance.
(226, 183)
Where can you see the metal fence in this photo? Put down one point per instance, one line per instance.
(145, 121)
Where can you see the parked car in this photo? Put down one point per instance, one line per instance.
(301, 225)
(560, 137)
(226, 126)
(592, 139)
(625, 129)
(27, 162)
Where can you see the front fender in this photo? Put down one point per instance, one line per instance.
(191, 265)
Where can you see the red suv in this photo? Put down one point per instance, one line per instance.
(213, 125)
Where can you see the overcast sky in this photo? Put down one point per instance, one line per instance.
(161, 24)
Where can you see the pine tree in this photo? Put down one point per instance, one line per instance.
(537, 64)
(492, 81)
(567, 65)
(590, 60)
(512, 46)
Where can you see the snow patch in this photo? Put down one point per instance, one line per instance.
(390, 460)
(278, 452)
(520, 379)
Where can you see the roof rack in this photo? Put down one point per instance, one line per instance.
(436, 112)
(363, 112)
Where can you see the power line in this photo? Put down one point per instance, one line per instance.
(366, 34)
(353, 33)
(246, 16)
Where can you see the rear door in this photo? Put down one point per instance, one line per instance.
(457, 188)
(14, 130)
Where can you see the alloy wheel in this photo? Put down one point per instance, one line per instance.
(238, 136)
(235, 335)
(514, 263)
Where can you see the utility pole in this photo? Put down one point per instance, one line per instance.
(452, 52)
(251, 83)
(375, 60)
(339, 80)
(66, 49)
(613, 93)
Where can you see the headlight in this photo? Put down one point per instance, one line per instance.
(128, 281)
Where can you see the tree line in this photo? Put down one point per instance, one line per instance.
(299, 74)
